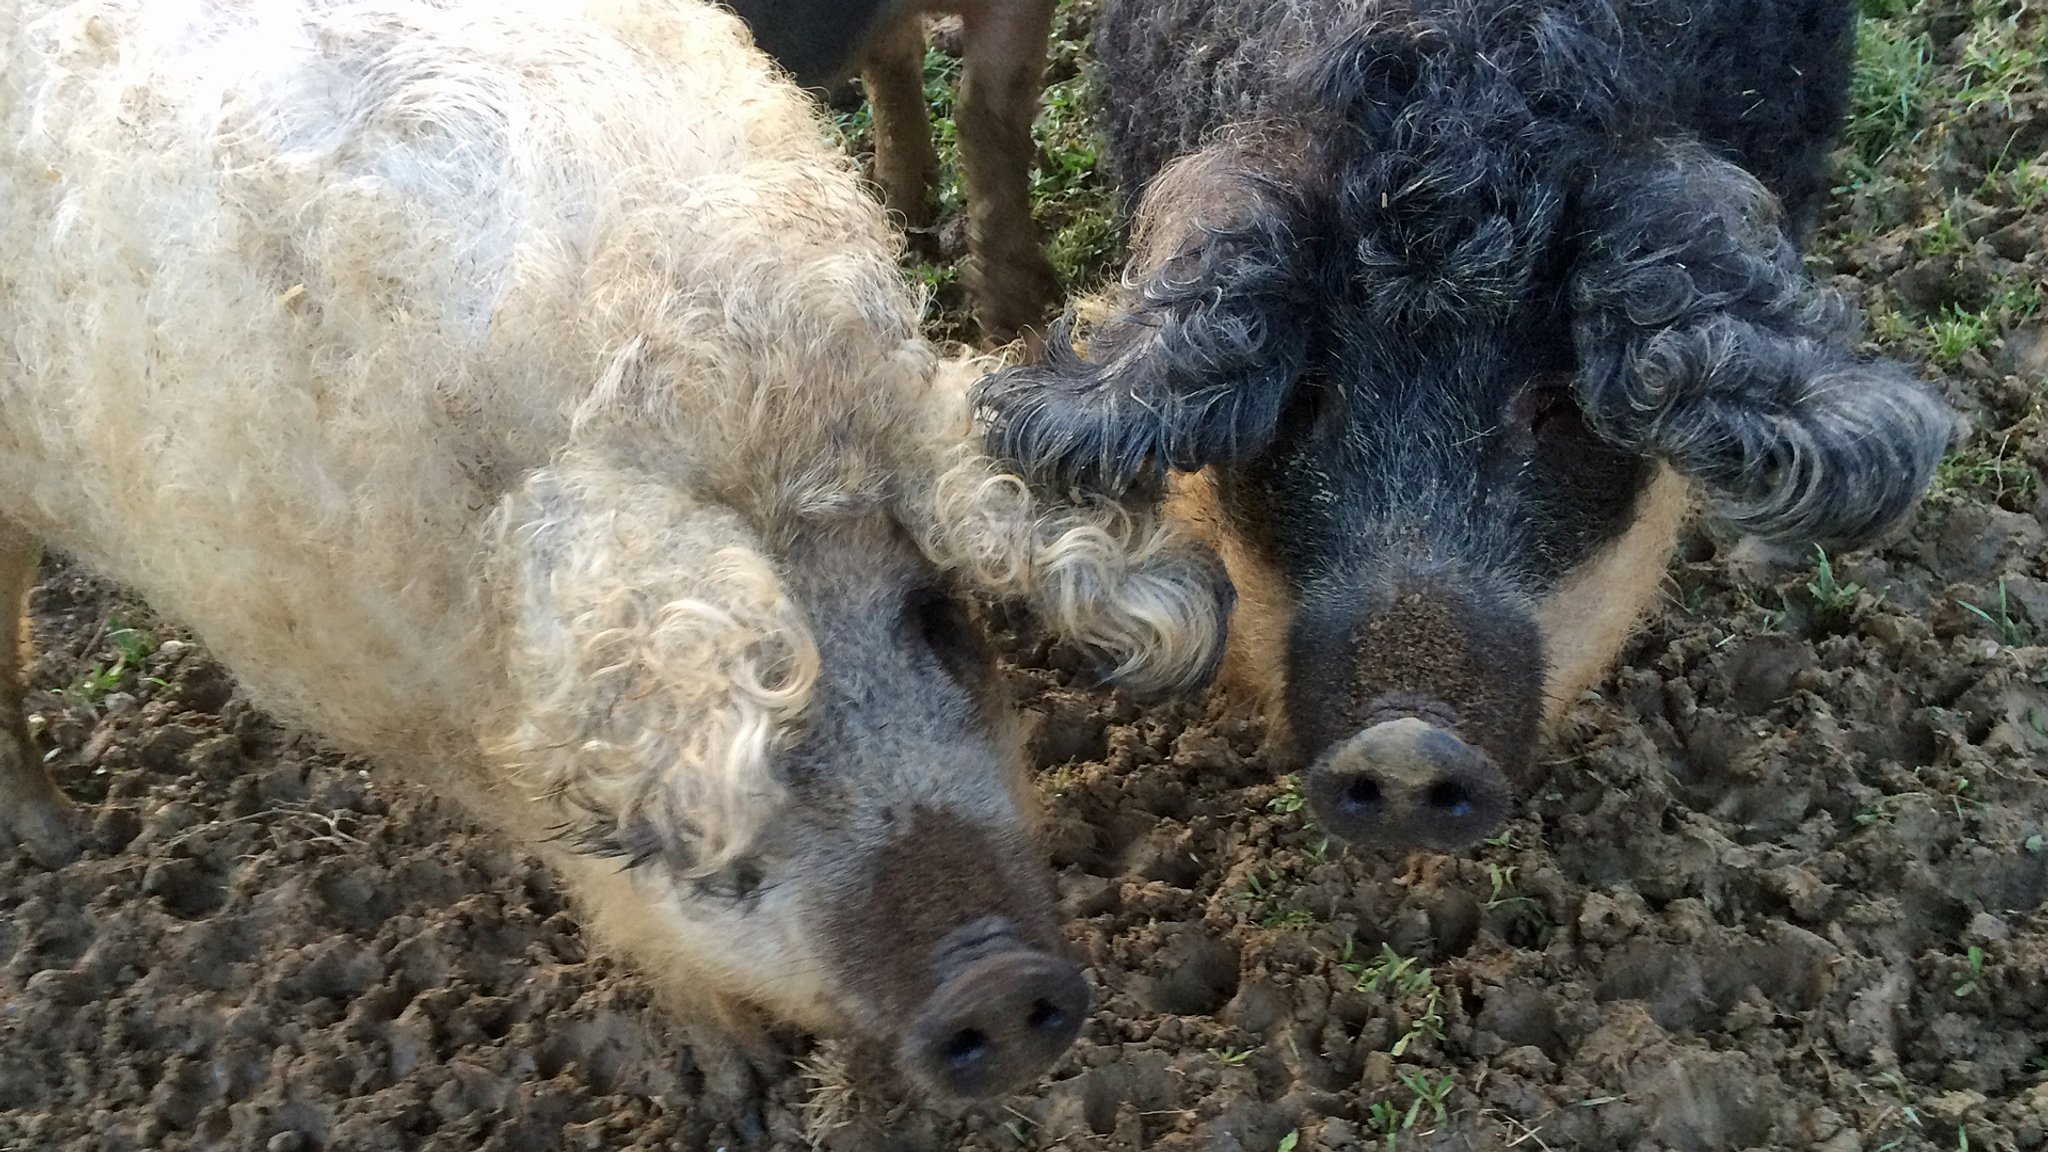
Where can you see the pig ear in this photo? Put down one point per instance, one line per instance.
(1115, 578)
(1194, 364)
(1118, 581)
(1702, 341)
(655, 660)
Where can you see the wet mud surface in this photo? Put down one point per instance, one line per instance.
(1781, 884)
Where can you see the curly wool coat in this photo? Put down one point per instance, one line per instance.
(526, 394)
(1465, 300)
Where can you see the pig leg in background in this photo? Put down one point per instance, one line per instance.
(906, 164)
(1004, 49)
(32, 812)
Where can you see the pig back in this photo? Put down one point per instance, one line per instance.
(305, 288)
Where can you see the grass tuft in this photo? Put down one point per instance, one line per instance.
(1888, 90)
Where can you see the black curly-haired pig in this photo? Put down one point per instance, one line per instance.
(1440, 318)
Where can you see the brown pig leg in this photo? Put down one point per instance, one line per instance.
(906, 164)
(1004, 45)
(32, 812)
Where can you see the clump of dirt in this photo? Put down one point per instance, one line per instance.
(1784, 882)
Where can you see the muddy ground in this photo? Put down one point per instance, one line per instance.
(1783, 886)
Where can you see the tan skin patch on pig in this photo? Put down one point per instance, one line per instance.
(1255, 662)
(1583, 624)
(1586, 621)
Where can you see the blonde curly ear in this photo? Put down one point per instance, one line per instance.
(1111, 577)
(657, 663)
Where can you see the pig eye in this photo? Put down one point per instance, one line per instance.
(742, 882)
(1547, 411)
(634, 844)
(1557, 418)
(943, 623)
(639, 844)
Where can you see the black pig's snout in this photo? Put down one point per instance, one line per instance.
(1408, 783)
(997, 1024)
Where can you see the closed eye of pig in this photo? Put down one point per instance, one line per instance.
(939, 620)
(1439, 317)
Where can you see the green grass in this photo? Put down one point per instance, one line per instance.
(1833, 599)
(1428, 1093)
(1287, 918)
(1888, 90)
(1290, 799)
(1956, 333)
(1949, 336)
(1267, 897)
(1501, 880)
(1971, 983)
(1401, 979)
(1947, 237)
(1892, 327)
(1883, 810)
(1998, 58)
(2017, 305)
(1903, 1107)
(2011, 633)
(1084, 251)
(131, 646)
(1073, 204)
(1989, 473)
(2024, 184)
(1391, 974)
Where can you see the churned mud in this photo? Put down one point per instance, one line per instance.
(1781, 886)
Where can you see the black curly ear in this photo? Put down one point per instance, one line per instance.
(1195, 365)
(1702, 341)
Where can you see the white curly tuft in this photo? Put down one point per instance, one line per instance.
(1114, 578)
(660, 663)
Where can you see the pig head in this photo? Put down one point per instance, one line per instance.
(1441, 387)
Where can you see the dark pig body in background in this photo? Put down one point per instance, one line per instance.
(823, 42)
(819, 42)
(1439, 316)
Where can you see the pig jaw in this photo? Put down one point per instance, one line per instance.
(1418, 708)
(948, 954)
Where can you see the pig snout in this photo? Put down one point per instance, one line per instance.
(998, 1018)
(1431, 716)
(953, 959)
(1406, 782)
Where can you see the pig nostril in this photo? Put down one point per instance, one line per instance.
(997, 1025)
(1408, 783)
(1362, 794)
(1046, 1017)
(966, 1049)
(1450, 797)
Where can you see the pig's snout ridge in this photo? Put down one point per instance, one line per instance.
(996, 1025)
(1409, 783)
